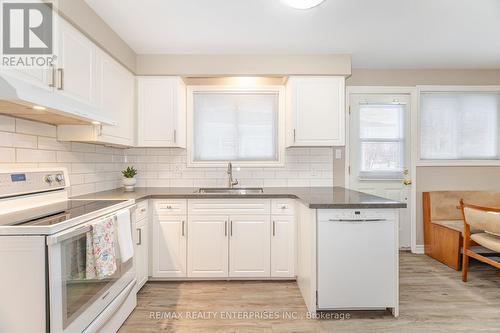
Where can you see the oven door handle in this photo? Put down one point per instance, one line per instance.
(79, 230)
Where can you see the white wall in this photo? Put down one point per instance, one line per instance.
(159, 167)
(29, 144)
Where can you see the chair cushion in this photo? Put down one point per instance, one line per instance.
(484, 220)
(489, 241)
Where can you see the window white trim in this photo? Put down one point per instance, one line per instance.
(191, 90)
(458, 88)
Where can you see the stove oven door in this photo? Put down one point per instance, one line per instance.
(77, 297)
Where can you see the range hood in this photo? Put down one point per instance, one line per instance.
(17, 98)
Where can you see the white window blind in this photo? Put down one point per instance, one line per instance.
(235, 126)
(381, 131)
(459, 126)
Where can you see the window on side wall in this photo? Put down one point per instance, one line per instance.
(460, 126)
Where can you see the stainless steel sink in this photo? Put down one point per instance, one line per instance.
(239, 190)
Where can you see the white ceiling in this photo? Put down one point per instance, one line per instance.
(378, 33)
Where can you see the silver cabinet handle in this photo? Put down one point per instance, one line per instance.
(231, 230)
(140, 236)
(52, 83)
(183, 228)
(143, 210)
(60, 71)
(357, 220)
(175, 135)
(274, 228)
(225, 228)
(169, 207)
(294, 135)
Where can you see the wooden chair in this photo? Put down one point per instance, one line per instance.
(486, 219)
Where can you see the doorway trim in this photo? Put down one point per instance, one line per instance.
(413, 93)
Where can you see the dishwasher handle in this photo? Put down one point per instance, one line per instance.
(357, 220)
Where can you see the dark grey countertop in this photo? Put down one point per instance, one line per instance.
(313, 197)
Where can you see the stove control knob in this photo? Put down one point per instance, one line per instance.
(59, 177)
(49, 179)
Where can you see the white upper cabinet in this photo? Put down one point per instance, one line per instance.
(115, 95)
(75, 74)
(161, 112)
(117, 98)
(316, 111)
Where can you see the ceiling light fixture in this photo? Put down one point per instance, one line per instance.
(302, 4)
(39, 107)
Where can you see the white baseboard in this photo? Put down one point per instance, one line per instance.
(419, 249)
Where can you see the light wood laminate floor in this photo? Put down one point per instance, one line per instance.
(432, 296)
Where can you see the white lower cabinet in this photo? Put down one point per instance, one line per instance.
(169, 246)
(249, 246)
(211, 238)
(208, 246)
(282, 246)
(141, 252)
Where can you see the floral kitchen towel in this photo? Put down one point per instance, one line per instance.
(101, 251)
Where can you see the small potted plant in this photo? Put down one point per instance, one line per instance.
(129, 180)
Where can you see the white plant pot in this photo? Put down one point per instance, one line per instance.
(129, 184)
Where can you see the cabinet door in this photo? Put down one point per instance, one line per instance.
(141, 252)
(161, 112)
(282, 246)
(208, 246)
(117, 95)
(249, 246)
(169, 246)
(315, 111)
(76, 65)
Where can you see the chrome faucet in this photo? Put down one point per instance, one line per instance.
(231, 182)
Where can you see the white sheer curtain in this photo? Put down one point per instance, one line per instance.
(235, 126)
(459, 125)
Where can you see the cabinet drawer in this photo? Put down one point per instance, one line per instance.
(170, 207)
(282, 206)
(142, 210)
(229, 206)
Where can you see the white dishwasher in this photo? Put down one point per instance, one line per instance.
(357, 259)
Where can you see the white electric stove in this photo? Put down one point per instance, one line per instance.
(43, 237)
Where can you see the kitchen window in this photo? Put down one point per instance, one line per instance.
(236, 125)
(460, 125)
(381, 136)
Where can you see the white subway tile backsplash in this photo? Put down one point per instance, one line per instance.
(83, 147)
(66, 156)
(35, 155)
(35, 128)
(82, 189)
(25, 143)
(303, 165)
(17, 140)
(52, 144)
(29, 144)
(7, 155)
(7, 124)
